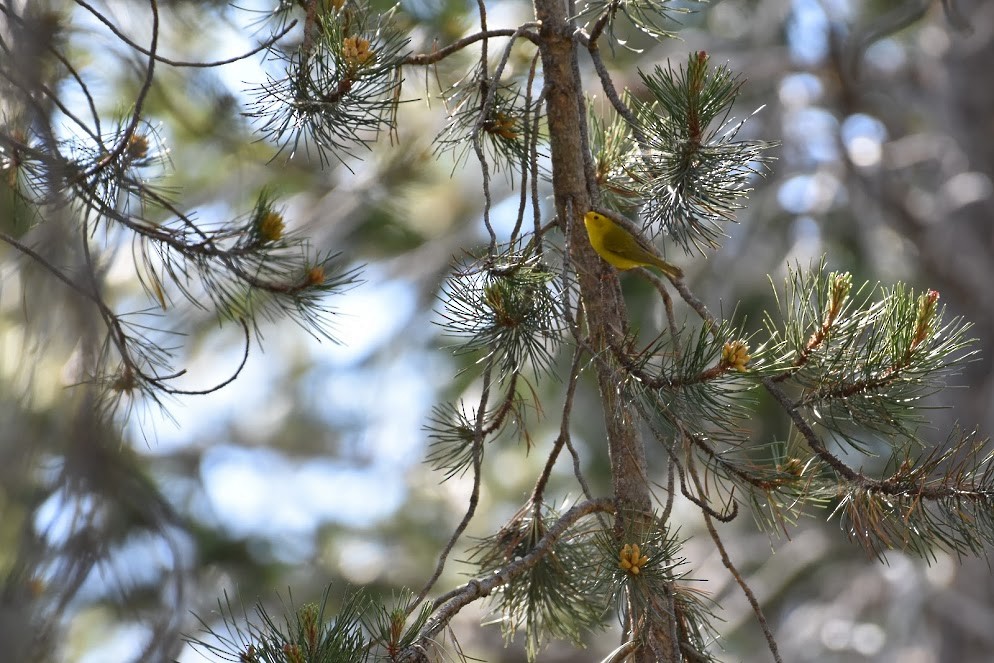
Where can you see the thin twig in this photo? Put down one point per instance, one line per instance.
(543, 479)
(486, 105)
(528, 140)
(440, 54)
(41, 260)
(186, 63)
(533, 164)
(804, 428)
(139, 99)
(727, 562)
(478, 438)
(607, 84)
(660, 286)
(219, 385)
(696, 304)
(670, 490)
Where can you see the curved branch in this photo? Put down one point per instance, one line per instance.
(706, 508)
(186, 63)
(110, 318)
(220, 385)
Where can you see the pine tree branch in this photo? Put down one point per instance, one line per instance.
(804, 428)
(563, 93)
(890, 486)
(575, 190)
(423, 59)
(450, 604)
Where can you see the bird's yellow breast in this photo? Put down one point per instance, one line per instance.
(614, 243)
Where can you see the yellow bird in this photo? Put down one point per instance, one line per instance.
(622, 248)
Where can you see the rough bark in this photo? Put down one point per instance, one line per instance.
(574, 192)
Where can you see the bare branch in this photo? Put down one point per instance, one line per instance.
(421, 59)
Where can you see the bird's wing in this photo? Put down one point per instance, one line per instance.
(614, 241)
(619, 242)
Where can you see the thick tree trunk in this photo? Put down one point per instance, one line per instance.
(603, 306)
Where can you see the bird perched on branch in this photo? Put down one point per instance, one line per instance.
(623, 247)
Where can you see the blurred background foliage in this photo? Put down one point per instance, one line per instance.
(308, 469)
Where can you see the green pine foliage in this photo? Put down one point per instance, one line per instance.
(498, 120)
(554, 598)
(693, 173)
(308, 634)
(850, 366)
(339, 89)
(508, 310)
